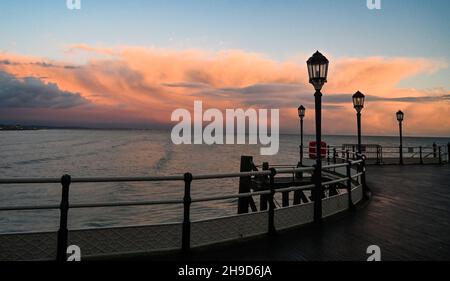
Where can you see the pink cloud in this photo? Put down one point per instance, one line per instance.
(139, 84)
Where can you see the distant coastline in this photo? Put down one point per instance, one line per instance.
(17, 128)
(4, 127)
(33, 128)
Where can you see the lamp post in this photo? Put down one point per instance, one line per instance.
(400, 118)
(318, 71)
(301, 114)
(358, 104)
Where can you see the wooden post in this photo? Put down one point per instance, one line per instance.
(186, 234)
(63, 232)
(245, 184)
(440, 155)
(271, 213)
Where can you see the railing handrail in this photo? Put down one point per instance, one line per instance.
(162, 178)
(331, 147)
(90, 180)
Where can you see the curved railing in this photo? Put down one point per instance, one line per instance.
(144, 239)
(377, 154)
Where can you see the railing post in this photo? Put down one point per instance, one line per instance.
(271, 213)
(347, 156)
(378, 155)
(366, 189)
(448, 153)
(434, 150)
(63, 232)
(440, 155)
(328, 154)
(263, 199)
(187, 200)
(351, 206)
(421, 156)
(244, 185)
(381, 154)
(334, 155)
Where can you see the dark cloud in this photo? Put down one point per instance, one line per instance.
(187, 85)
(198, 76)
(7, 62)
(263, 89)
(267, 95)
(345, 98)
(285, 95)
(420, 99)
(40, 64)
(32, 92)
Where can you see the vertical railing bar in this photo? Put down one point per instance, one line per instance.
(365, 187)
(328, 154)
(448, 153)
(351, 206)
(434, 150)
(421, 155)
(187, 200)
(334, 155)
(271, 213)
(63, 231)
(264, 199)
(440, 155)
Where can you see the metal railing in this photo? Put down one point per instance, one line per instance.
(377, 154)
(62, 236)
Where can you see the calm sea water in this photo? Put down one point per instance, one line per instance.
(101, 153)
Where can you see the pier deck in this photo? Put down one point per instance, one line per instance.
(408, 217)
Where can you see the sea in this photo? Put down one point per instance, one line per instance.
(128, 153)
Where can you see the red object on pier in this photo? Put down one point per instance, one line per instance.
(312, 150)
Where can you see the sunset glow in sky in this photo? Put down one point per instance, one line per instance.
(131, 63)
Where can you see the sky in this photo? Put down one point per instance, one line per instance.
(132, 63)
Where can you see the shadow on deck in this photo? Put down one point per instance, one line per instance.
(408, 217)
